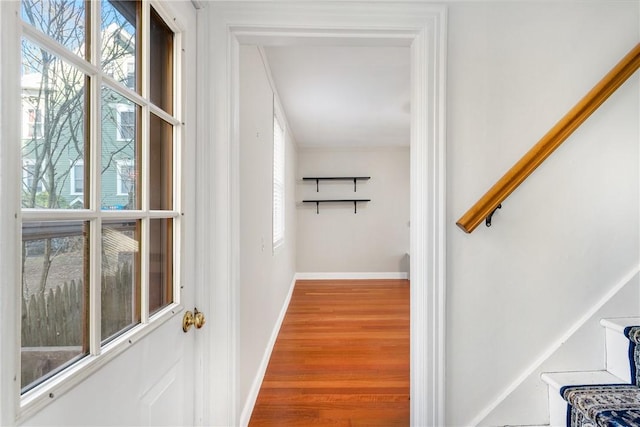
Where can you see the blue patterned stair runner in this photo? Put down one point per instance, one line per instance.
(607, 405)
(633, 334)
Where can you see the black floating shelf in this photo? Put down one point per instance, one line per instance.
(317, 179)
(354, 201)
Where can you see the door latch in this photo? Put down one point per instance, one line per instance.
(196, 319)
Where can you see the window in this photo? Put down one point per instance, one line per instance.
(125, 178)
(125, 122)
(76, 178)
(29, 176)
(130, 80)
(107, 228)
(278, 182)
(34, 123)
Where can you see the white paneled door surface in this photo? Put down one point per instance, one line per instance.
(97, 225)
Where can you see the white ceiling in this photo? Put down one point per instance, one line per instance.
(344, 96)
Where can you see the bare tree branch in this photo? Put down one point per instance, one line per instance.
(56, 98)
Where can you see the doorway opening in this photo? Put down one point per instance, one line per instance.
(422, 29)
(345, 117)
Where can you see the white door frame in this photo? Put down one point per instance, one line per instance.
(222, 28)
(10, 254)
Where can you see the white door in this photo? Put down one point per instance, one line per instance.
(97, 227)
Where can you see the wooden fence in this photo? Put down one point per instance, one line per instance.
(57, 317)
(54, 318)
(55, 325)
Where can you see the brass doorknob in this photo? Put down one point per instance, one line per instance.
(196, 319)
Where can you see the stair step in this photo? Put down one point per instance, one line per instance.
(557, 380)
(603, 404)
(617, 344)
(619, 323)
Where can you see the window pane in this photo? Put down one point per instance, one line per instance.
(161, 164)
(120, 277)
(118, 53)
(65, 21)
(120, 166)
(161, 79)
(54, 298)
(77, 178)
(160, 264)
(54, 109)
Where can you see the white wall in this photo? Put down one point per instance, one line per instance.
(584, 350)
(570, 233)
(376, 239)
(265, 275)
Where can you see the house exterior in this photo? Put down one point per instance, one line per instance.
(517, 299)
(118, 176)
(59, 167)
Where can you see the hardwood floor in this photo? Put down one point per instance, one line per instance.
(341, 358)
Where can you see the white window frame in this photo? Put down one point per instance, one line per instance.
(72, 178)
(279, 176)
(119, 165)
(123, 108)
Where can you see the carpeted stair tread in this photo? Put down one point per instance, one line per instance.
(633, 333)
(605, 405)
(557, 380)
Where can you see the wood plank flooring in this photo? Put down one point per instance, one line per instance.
(341, 357)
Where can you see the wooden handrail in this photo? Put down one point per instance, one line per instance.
(552, 140)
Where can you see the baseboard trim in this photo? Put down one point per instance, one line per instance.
(245, 416)
(554, 347)
(353, 276)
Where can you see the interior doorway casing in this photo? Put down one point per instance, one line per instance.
(223, 27)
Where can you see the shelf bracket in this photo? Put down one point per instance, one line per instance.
(354, 184)
(317, 185)
(317, 208)
(487, 221)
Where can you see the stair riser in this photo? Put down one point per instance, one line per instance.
(557, 409)
(618, 355)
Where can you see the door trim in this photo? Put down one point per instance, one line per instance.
(222, 28)
(10, 253)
